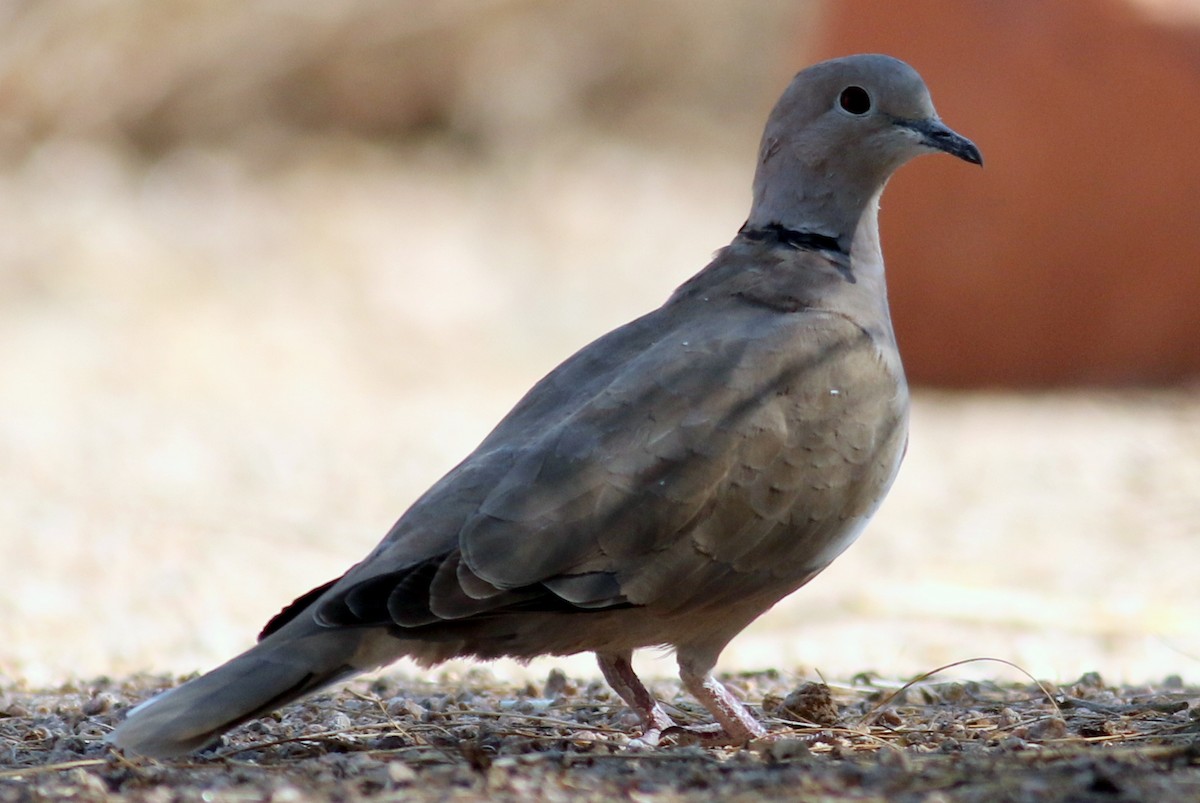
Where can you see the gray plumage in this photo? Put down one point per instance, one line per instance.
(669, 482)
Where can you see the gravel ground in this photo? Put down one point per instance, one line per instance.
(566, 739)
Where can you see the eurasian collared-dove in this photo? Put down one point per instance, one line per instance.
(668, 483)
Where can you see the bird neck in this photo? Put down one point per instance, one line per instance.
(801, 187)
(866, 254)
(866, 260)
(858, 240)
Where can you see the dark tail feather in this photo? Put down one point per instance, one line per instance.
(276, 671)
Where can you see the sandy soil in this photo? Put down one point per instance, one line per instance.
(220, 385)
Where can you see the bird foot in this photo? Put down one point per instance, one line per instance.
(702, 735)
(687, 735)
(705, 735)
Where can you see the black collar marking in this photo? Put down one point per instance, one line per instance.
(778, 234)
(800, 240)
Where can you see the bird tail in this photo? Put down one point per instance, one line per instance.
(285, 666)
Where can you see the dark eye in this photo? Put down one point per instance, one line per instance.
(855, 100)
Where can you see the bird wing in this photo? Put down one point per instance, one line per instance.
(712, 441)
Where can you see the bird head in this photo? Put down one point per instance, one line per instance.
(839, 131)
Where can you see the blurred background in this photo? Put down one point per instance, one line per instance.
(268, 269)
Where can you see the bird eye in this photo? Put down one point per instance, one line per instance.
(855, 100)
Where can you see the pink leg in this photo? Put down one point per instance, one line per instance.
(738, 725)
(618, 671)
(735, 725)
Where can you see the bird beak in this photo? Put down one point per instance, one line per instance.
(937, 135)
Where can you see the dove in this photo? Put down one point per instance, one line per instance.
(669, 482)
